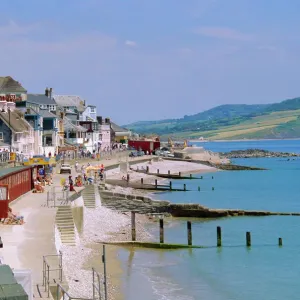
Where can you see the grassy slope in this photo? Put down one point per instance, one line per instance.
(283, 124)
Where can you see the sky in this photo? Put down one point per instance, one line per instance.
(149, 60)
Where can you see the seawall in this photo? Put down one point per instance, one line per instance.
(147, 205)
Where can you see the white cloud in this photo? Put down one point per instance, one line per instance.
(223, 33)
(130, 43)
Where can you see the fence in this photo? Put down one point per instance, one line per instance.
(58, 197)
(47, 269)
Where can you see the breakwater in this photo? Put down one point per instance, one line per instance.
(146, 205)
(256, 153)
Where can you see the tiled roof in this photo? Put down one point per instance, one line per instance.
(40, 99)
(70, 100)
(47, 114)
(16, 121)
(117, 128)
(68, 125)
(9, 85)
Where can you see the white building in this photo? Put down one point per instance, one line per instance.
(15, 130)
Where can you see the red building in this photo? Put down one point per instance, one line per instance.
(19, 181)
(145, 145)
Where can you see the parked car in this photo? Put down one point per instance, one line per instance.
(65, 168)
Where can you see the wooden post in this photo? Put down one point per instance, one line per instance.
(179, 174)
(157, 171)
(248, 239)
(128, 177)
(280, 242)
(184, 187)
(169, 172)
(142, 181)
(212, 188)
(201, 177)
(161, 231)
(199, 188)
(147, 169)
(189, 232)
(212, 177)
(133, 233)
(219, 236)
(191, 176)
(156, 183)
(170, 185)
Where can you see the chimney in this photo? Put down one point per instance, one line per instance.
(47, 92)
(107, 120)
(50, 93)
(99, 119)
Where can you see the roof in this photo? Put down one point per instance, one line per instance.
(40, 99)
(28, 111)
(68, 125)
(70, 100)
(117, 128)
(8, 85)
(4, 145)
(16, 121)
(45, 113)
(6, 171)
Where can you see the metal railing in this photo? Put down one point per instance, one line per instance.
(99, 285)
(57, 197)
(47, 269)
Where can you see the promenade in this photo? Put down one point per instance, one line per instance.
(25, 245)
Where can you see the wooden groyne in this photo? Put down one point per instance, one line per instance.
(161, 175)
(168, 246)
(146, 186)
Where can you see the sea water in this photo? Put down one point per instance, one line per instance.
(264, 271)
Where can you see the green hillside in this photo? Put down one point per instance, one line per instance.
(278, 120)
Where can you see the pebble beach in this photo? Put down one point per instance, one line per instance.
(106, 225)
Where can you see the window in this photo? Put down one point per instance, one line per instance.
(92, 109)
(1, 136)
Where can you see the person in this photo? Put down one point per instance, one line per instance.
(85, 178)
(49, 154)
(76, 166)
(71, 184)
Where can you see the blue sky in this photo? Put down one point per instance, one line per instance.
(147, 60)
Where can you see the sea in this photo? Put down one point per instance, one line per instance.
(233, 272)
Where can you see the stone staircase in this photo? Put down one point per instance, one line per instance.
(89, 196)
(65, 225)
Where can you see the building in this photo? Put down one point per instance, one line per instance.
(51, 139)
(44, 101)
(89, 114)
(36, 122)
(19, 181)
(71, 103)
(145, 145)
(104, 133)
(75, 135)
(11, 90)
(119, 134)
(15, 130)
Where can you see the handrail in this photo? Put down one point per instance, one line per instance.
(47, 270)
(64, 292)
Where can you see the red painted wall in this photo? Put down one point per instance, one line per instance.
(144, 145)
(19, 183)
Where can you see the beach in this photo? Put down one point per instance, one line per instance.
(105, 225)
